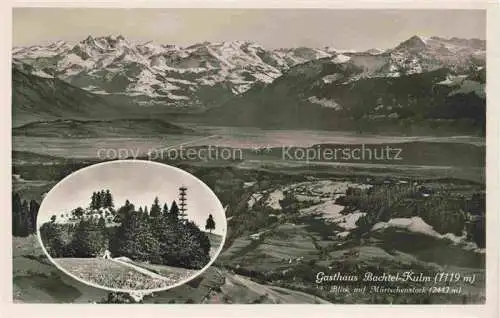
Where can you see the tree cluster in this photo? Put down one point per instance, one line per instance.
(87, 238)
(158, 237)
(381, 203)
(289, 204)
(23, 216)
(101, 199)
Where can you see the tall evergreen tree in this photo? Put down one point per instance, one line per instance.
(98, 200)
(146, 210)
(16, 213)
(93, 201)
(164, 211)
(210, 224)
(155, 208)
(102, 195)
(24, 229)
(34, 207)
(174, 212)
(123, 211)
(108, 200)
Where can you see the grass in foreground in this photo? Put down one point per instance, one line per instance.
(109, 274)
(173, 275)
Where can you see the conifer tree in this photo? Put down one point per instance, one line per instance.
(93, 201)
(165, 210)
(25, 220)
(108, 200)
(155, 208)
(34, 207)
(102, 195)
(210, 224)
(16, 213)
(98, 200)
(174, 212)
(126, 209)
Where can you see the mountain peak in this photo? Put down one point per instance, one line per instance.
(416, 42)
(159, 74)
(88, 39)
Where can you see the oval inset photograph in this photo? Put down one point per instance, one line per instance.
(131, 226)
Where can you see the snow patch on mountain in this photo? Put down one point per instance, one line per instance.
(180, 76)
(418, 225)
(340, 58)
(41, 73)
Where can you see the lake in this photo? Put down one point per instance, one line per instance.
(234, 137)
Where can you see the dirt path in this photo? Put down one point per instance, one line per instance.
(139, 269)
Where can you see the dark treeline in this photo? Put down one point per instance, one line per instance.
(24, 215)
(101, 199)
(157, 237)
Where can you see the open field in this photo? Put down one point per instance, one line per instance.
(37, 280)
(215, 242)
(105, 272)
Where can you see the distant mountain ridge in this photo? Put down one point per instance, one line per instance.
(162, 74)
(422, 82)
(207, 74)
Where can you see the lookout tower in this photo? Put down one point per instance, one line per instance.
(182, 204)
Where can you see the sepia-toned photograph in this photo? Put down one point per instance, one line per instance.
(123, 237)
(343, 153)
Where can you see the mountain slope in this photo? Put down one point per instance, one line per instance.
(329, 94)
(419, 83)
(202, 74)
(103, 128)
(39, 98)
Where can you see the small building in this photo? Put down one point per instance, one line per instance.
(107, 255)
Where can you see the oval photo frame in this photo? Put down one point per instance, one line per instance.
(89, 250)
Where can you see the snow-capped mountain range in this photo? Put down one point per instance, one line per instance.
(206, 74)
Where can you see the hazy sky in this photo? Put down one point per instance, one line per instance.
(139, 182)
(341, 29)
